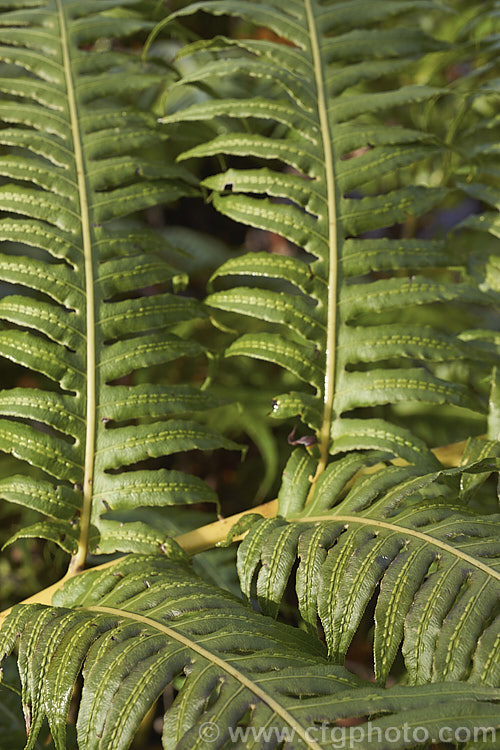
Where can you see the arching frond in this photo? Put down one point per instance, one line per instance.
(97, 301)
(239, 678)
(396, 536)
(332, 158)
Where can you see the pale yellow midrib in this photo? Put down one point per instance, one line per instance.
(78, 560)
(331, 335)
(220, 663)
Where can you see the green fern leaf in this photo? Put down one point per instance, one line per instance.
(242, 677)
(399, 536)
(329, 148)
(74, 171)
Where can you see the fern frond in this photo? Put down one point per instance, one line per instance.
(332, 149)
(152, 622)
(399, 536)
(75, 168)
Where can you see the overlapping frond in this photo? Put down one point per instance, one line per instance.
(97, 301)
(398, 536)
(332, 149)
(151, 623)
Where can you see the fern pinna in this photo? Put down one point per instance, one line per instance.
(80, 158)
(405, 540)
